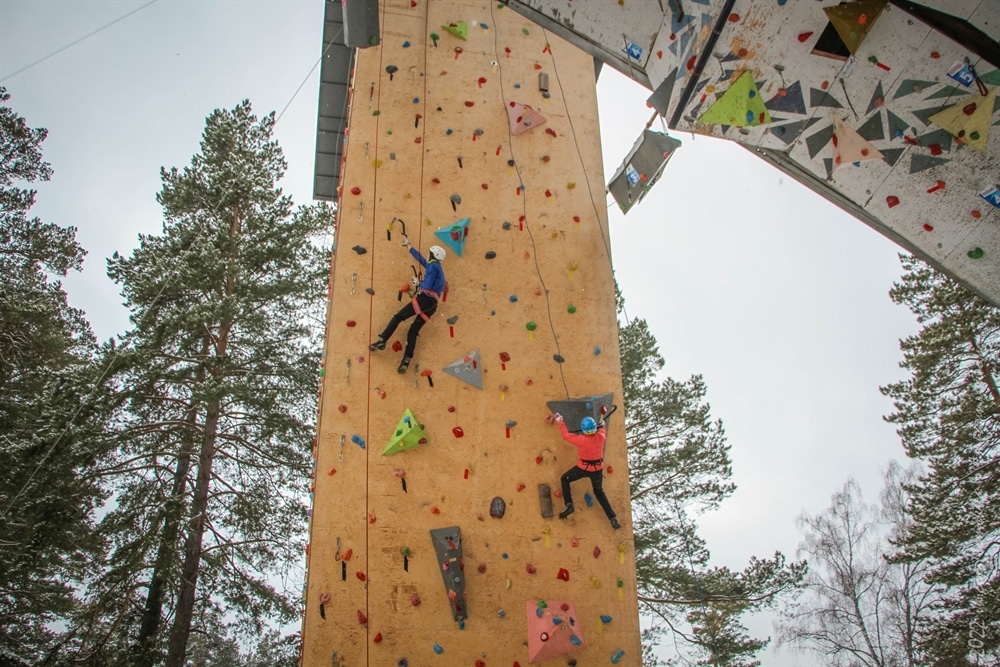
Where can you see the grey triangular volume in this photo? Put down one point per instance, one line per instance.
(789, 133)
(448, 549)
(878, 98)
(873, 129)
(660, 99)
(575, 409)
(821, 98)
(817, 140)
(923, 162)
(467, 369)
(891, 155)
(925, 114)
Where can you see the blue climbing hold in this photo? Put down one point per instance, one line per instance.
(574, 640)
(589, 499)
(438, 649)
(749, 116)
(406, 44)
(605, 619)
(513, 298)
(356, 439)
(461, 624)
(556, 620)
(539, 612)
(597, 350)
(448, 131)
(616, 658)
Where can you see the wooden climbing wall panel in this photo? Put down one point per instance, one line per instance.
(430, 144)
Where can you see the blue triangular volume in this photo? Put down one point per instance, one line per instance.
(454, 235)
(791, 102)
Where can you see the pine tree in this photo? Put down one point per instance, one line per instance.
(219, 375)
(49, 410)
(679, 463)
(948, 417)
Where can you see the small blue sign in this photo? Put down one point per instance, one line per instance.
(960, 72)
(634, 51)
(632, 175)
(992, 195)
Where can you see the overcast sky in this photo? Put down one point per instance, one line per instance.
(778, 298)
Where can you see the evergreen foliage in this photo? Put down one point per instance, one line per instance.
(217, 377)
(49, 410)
(948, 417)
(680, 466)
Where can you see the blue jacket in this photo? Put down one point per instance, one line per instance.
(434, 276)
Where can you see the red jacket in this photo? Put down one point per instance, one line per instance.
(589, 447)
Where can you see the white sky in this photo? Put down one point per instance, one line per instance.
(773, 294)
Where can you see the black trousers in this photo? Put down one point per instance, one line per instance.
(428, 305)
(596, 480)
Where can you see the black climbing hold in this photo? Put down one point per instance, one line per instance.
(498, 508)
(370, 291)
(506, 224)
(490, 255)
(510, 163)
(359, 249)
(391, 69)
(558, 358)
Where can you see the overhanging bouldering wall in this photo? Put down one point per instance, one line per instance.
(433, 538)
(887, 109)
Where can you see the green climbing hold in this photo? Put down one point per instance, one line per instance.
(974, 135)
(976, 253)
(530, 326)
(525, 31)
(570, 309)
(376, 112)
(435, 36)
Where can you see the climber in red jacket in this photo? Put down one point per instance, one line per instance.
(590, 449)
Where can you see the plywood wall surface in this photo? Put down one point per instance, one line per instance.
(428, 122)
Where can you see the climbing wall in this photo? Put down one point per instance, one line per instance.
(433, 539)
(888, 109)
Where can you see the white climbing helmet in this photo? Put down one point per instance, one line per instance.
(438, 253)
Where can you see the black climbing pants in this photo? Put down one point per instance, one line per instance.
(596, 480)
(427, 304)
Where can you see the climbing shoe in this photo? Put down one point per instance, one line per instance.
(614, 523)
(377, 345)
(403, 365)
(566, 512)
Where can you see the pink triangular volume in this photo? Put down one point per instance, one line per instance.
(522, 117)
(553, 630)
(850, 147)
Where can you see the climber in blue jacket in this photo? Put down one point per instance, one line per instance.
(423, 305)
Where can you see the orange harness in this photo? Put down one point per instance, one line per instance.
(416, 306)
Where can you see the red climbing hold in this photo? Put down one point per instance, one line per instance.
(691, 61)
(481, 81)
(563, 574)
(396, 346)
(935, 55)
(470, 103)
(734, 18)
(355, 190)
(976, 214)
(969, 109)
(803, 36)
(435, 510)
(347, 554)
(435, 180)
(550, 131)
(928, 227)
(342, 407)
(362, 619)
(360, 575)
(486, 186)
(537, 66)
(482, 568)
(538, 460)
(597, 552)
(935, 149)
(520, 486)
(451, 408)
(530, 569)
(415, 600)
(352, 323)
(939, 185)
(659, 55)
(458, 431)
(378, 638)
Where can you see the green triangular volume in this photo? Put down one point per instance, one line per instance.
(740, 106)
(408, 434)
(460, 30)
